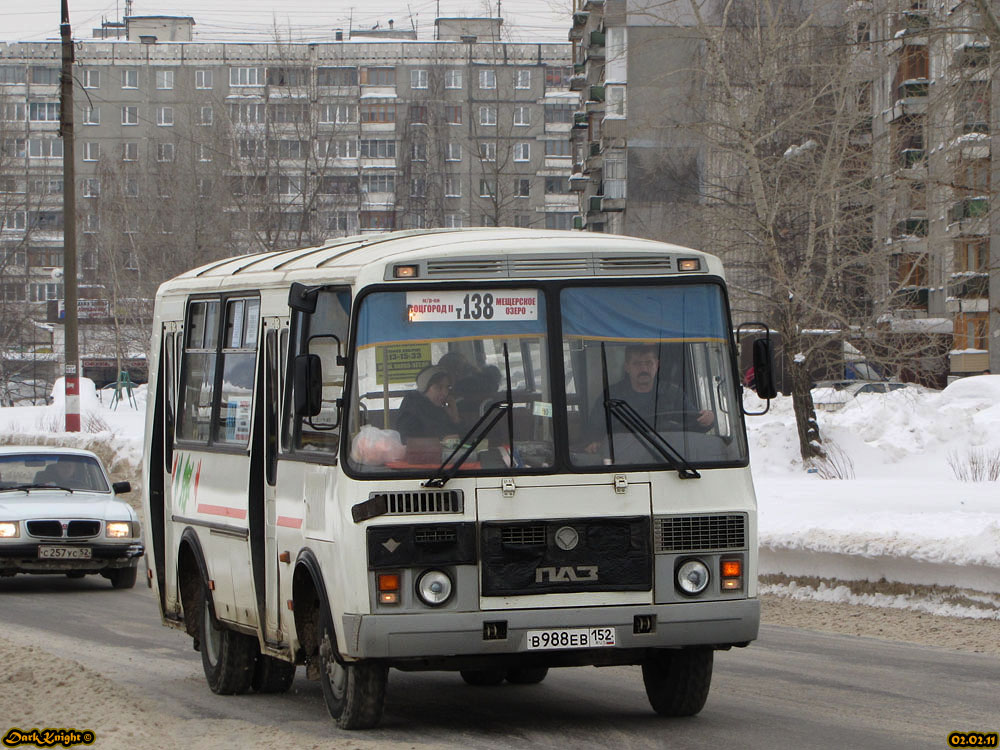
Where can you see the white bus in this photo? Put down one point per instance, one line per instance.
(491, 451)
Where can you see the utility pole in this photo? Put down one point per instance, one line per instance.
(72, 361)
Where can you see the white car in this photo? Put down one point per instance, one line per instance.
(59, 513)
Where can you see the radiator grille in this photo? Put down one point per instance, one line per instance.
(83, 528)
(434, 534)
(429, 501)
(44, 528)
(700, 533)
(523, 536)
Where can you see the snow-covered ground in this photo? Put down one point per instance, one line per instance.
(893, 509)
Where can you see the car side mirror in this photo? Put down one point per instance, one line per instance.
(121, 488)
(308, 385)
(763, 369)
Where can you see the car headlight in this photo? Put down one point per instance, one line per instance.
(434, 587)
(692, 577)
(118, 529)
(8, 529)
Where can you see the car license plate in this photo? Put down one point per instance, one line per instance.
(63, 553)
(538, 640)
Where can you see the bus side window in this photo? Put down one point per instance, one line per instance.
(323, 333)
(194, 420)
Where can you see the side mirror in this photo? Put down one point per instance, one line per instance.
(121, 488)
(301, 298)
(308, 385)
(763, 369)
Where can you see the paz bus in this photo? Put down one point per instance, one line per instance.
(586, 498)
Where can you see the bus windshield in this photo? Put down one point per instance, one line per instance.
(642, 364)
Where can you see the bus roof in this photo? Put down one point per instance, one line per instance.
(349, 256)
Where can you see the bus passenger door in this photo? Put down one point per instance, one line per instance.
(164, 550)
(264, 550)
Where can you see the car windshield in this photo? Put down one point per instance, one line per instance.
(78, 473)
(648, 365)
(430, 364)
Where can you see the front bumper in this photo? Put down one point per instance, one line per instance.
(461, 634)
(23, 558)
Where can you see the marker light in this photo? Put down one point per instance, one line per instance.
(388, 588)
(689, 264)
(404, 272)
(692, 577)
(8, 529)
(434, 587)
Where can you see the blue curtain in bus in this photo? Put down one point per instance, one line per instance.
(645, 313)
(384, 319)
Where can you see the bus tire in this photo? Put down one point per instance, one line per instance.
(527, 676)
(272, 675)
(483, 677)
(354, 692)
(122, 578)
(677, 682)
(226, 656)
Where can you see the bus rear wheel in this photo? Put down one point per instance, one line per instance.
(354, 692)
(226, 656)
(677, 682)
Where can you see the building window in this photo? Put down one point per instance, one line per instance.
(91, 78)
(13, 220)
(522, 115)
(245, 76)
(972, 255)
(418, 114)
(378, 183)
(614, 176)
(91, 187)
(286, 185)
(340, 114)
(341, 148)
(377, 149)
(454, 152)
(248, 148)
(91, 151)
(615, 97)
(453, 114)
(337, 77)
(12, 74)
(338, 185)
(559, 113)
(454, 221)
(557, 76)
(487, 188)
(558, 148)
(378, 112)
(16, 147)
(45, 292)
(488, 115)
(130, 115)
(378, 76)
(487, 79)
(44, 75)
(342, 221)
(521, 220)
(378, 220)
(522, 187)
(130, 187)
(203, 79)
(288, 149)
(418, 79)
(14, 112)
(130, 78)
(419, 151)
(288, 114)
(556, 186)
(558, 221)
(418, 187)
(204, 152)
(164, 79)
(522, 152)
(206, 115)
(46, 186)
(130, 151)
(164, 152)
(282, 76)
(522, 78)
(45, 148)
(452, 186)
(91, 115)
(165, 116)
(488, 151)
(43, 111)
(91, 223)
(252, 112)
(453, 78)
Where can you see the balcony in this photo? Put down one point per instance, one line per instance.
(910, 158)
(597, 38)
(915, 227)
(969, 285)
(578, 222)
(578, 182)
(594, 204)
(578, 82)
(970, 208)
(911, 298)
(597, 93)
(580, 120)
(913, 88)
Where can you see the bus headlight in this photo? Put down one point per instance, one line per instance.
(434, 587)
(692, 577)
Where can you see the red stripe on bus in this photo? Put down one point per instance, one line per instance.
(292, 523)
(222, 510)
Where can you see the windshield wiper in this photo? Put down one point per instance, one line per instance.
(26, 487)
(628, 416)
(477, 432)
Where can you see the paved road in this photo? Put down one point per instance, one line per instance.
(792, 688)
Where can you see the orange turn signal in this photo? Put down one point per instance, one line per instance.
(388, 581)
(732, 568)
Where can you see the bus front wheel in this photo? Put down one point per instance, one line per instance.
(677, 682)
(227, 656)
(354, 692)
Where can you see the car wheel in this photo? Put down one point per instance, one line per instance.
(122, 578)
(483, 677)
(528, 676)
(272, 675)
(677, 682)
(227, 657)
(354, 692)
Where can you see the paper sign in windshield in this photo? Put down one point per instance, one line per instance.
(477, 306)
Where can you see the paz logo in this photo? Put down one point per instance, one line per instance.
(187, 477)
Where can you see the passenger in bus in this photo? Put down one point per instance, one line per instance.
(654, 399)
(472, 388)
(429, 411)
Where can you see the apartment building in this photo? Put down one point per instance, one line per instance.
(190, 151)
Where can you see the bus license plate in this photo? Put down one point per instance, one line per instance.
(64, 553)
(538, 640)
